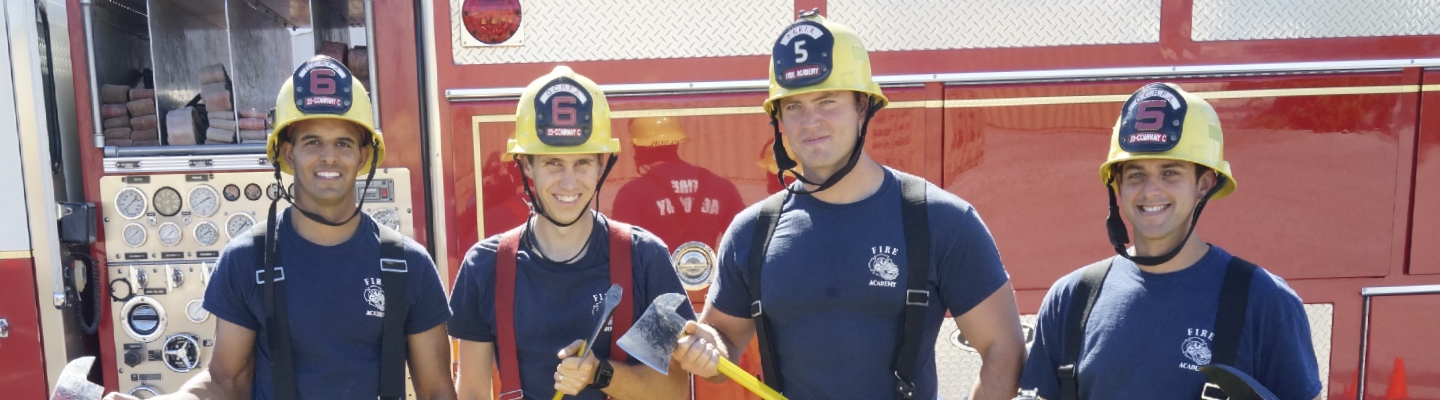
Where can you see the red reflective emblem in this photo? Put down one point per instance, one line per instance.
(491, 21)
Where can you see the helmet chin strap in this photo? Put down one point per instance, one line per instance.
(1120, 237)
(539, 208)
(785, 164)
(374, 153)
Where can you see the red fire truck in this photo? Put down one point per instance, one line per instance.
(1331, 109)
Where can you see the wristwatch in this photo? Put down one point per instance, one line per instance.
(603, 373)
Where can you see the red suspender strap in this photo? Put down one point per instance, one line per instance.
(505, 314)
(621, 272)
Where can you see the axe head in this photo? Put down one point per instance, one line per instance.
(73, 385)
(652, 338)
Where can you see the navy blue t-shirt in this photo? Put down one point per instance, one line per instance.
(335, 302)
(834, 287)
(556, 304)
(1148, 334)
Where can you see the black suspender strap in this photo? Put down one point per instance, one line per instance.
(765, 228)
(916, 221)
(393, 270)
(1230, 316)
(271, 276)
(1086, 291)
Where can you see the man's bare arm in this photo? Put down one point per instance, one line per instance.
(993, 329)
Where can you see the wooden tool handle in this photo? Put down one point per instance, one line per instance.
(748, 381)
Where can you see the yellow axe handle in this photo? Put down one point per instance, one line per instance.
(748, 381)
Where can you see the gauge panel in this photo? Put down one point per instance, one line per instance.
(206, 233)
(232, 192)
(134, 234)
(169, 233)
(204, 200)
(252, 192)
(238, 224)
(130, 202)
(167, 201)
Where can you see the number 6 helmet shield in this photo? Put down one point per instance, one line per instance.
(323, 88)
(562, 113)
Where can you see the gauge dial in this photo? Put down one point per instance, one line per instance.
(167, 201)
(204, 200)
(130, 202)
(232, 192)
(252, 192)
(273, 191)
(387, 217)
(135, 234)
(207, 233)
(196, 312)
(170, 234)
(238, 224)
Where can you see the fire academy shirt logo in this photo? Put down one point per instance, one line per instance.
(1196, 347)
(883, 266)
(375, 296)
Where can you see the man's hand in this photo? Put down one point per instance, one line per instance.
(698, 351)
(574, 374)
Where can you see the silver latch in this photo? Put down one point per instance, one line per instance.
(4, 328)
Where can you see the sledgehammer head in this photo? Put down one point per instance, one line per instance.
(652, 338)
(73, 385)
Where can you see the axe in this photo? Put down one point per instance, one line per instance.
(612, 299)
(652, 340)
(73, 385)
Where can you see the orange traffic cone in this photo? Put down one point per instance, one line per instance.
(1397, 389)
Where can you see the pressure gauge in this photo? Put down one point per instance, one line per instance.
(196, 312)
(387, 218)
(130, 202)
(273, 191)
(238, 224)
(134, 234)
(167, 201)
(252, 192)
(182, 352)
(169, 234)
(144, 392)
(232, 192)
(207, 233)
(204, 200)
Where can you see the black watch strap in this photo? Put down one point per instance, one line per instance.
(603, 373)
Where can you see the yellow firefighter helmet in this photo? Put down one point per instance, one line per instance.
(322, 88)
(1163, 121)
(656, 131)
(814, 54)
(562, 113)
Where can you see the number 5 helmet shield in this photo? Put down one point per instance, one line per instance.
(814, 55)
(323, 88)
(1163, 121)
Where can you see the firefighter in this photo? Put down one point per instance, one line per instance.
(322, 302)
(530, 297)
(681, 202)
(856, 282)
(1172, 304)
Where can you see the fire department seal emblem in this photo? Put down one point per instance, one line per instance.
(882, 266)
(375, 295)
(1197, 350)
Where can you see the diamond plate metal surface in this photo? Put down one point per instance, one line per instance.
(588, 30)
(887, 25)
(957, 366)
(1295, 19)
